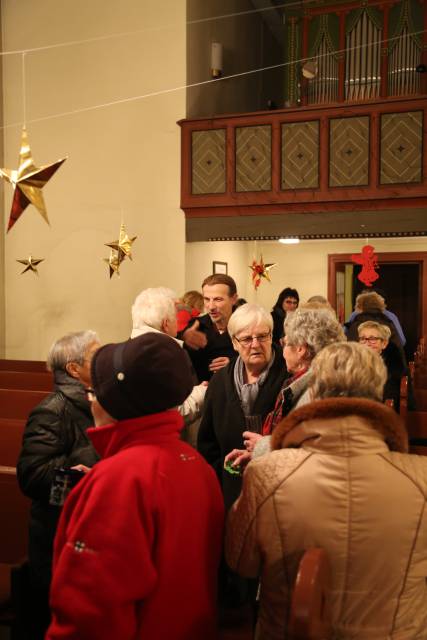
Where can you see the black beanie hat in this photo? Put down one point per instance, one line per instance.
(144, 375)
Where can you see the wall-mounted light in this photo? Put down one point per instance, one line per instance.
(310, 69)
(289, 240)
(216, 60)
(421, 68)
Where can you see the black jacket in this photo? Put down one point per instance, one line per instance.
(279, 315)
(219, 344)
(223, 421)
(54, 436)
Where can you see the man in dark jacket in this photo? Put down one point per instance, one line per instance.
(55, 437)
(206, 337)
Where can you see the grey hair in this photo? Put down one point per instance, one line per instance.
(313, 328)
(70, 348)
(246, 316)
(348, 369)
(153, 306)
(383, 329)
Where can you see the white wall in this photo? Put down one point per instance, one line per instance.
(303, 266)
(123, 159)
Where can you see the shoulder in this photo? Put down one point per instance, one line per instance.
(268, 472)
(412, 466)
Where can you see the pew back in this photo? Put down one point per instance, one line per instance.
(17, 403)
(22, 365)
(30, 380)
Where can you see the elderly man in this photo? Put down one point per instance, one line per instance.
(139, 541)
(206, 338)
(154, 311)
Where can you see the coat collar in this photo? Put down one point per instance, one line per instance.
(145, 328)
(155, 428)
(363, 421)
(72, 389)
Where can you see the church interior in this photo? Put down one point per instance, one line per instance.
(214, 136)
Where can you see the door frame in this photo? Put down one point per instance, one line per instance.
(409, 257)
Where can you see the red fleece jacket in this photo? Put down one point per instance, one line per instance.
(139, 540)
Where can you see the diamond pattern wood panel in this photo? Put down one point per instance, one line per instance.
(300, 155)
(401, 147)
(253, 158)
(208, 161)
(349, 152)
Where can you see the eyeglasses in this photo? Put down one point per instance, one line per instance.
(291, 301)
(247, 340)
(283, 343)
(370, 339)
(90, 394)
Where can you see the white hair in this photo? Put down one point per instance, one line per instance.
(70, 348)
(153, 306)
(313, 328)
(246, 316)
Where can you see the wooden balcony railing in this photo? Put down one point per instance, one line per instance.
(342, 157)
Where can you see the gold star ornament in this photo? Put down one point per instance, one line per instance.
(31, 264)
(260, 270)
(120, 249)
(28, 182)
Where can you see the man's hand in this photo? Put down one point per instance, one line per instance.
(218, 363)
(194, 338)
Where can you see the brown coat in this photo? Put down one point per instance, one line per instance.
(339, 478)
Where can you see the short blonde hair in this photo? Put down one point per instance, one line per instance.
(383, 329)
(370, 301)
(312, 328)
(348, 369)
(246, 316)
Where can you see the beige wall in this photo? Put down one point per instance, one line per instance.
(248, 44)
(122, 158)
(303, 266)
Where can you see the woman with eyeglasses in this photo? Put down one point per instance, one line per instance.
(238, 399)
(377, 336)
(241, 395)
(55, 438)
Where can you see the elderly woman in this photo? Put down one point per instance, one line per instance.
(371, 306)
(54, 437)
(307, 331)
(376, 336)
(339, 477)
(240, 396)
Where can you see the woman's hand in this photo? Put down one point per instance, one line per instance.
(250, 439)
(238, 457)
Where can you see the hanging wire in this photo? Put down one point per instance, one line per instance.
(160, 92)
(24, 97)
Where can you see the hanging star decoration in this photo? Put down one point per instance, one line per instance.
(260, 270)
(28, 182)
(31, 264)
(120, 250)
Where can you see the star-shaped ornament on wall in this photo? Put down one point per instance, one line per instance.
(261, 270)
(120, 250)
(31, 264)
(28, 182)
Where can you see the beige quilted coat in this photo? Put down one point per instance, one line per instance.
(338, 478)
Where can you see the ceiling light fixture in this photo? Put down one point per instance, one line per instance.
(289, 240)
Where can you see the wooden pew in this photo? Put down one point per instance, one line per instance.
(415, 422)
(26, 380)
(23, 365)
(17, 403)
(309, 615)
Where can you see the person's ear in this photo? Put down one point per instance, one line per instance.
(234, 299)
(73, 369)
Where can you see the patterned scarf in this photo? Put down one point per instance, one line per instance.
(285, 401)
(248, 392)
